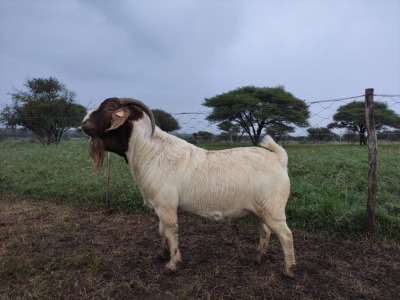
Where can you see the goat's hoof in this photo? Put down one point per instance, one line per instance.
(257, 258)
(168, 272)
(171, 267)
(162, 256)
(289, 272)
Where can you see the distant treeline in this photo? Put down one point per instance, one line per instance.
(208, 137)
(24, 133)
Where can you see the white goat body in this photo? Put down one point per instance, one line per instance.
(216, 184)
(173, 174)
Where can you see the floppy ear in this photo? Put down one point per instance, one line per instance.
(119, 117)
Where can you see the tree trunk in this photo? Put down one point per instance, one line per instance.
(362, 139)
(257, 136)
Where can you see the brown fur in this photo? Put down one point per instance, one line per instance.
(102, 139)
(96, 151)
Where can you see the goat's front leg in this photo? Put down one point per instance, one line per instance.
(164, 242)
(169, 229)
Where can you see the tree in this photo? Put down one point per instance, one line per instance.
(349, 137)
(277, 131)
(165, 120)
(392, 136)
(47, 108)
(254, 108)
(319, 134)
(223, 136)
(203, 136)
(234, 131)
(352, 117)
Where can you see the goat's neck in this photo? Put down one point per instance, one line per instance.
(157, 154)
(143, 151)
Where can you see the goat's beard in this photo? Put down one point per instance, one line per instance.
(96, 152)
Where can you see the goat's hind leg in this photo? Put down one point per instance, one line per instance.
(265, 234)
(280, 228)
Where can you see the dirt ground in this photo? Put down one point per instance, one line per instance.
(50, 251)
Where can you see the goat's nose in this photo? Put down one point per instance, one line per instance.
(83, 125)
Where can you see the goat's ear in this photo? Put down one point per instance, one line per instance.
(119, 117)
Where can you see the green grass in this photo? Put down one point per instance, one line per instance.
(63, 173)
(329, 183)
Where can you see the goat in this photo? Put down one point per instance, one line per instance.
(173, 174)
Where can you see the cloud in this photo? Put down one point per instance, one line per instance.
(173, 54)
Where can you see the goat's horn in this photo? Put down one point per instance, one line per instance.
(144, 107)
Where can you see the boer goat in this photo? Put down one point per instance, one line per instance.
(173, 174)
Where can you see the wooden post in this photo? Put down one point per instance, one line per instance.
(108, 177)
(372, 154)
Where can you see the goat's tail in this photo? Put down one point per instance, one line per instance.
(268, 142)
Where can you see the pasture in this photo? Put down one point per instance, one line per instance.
(57, 240)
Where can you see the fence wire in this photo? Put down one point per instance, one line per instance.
(321, 114)
(195, 126)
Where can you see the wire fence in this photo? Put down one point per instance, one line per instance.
(195, 127)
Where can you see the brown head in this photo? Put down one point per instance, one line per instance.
(110, 126)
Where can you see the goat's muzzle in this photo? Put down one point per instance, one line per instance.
(88, 128)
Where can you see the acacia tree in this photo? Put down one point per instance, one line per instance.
(318, 134)
(204, 136)
(352, 117)
(255, 108)
(165, 120)
(47, 108)
(234, 131)
(277, 131)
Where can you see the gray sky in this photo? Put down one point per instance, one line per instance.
(173, 54)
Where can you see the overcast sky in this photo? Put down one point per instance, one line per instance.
(173, 54)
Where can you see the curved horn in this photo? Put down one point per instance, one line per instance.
(144, 107)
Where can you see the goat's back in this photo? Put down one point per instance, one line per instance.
(227, 183)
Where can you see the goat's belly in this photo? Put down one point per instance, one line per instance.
(220, 199)
(215, 212)
(220, 216)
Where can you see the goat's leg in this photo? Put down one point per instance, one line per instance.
(164, 242)
(265, 234)
(169, 219)
(280, 228)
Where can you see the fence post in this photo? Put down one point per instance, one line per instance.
(372, 154)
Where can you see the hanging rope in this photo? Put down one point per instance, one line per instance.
(108, 178)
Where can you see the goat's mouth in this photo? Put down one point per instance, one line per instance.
(88, 129)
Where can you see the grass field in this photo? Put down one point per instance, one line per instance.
(68, 246)
(329, 183)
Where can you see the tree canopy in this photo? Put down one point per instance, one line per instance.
(47, 108)
(165, 120)
(234, 131)
(254, 108)
(352, 117)
(318, 134)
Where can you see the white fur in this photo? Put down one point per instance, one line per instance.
(173, 174)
